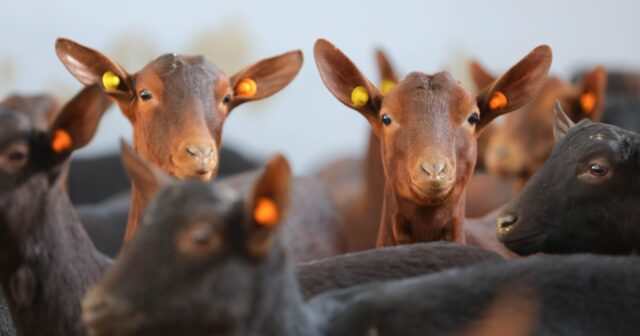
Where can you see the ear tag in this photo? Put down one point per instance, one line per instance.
(61, 141)
(266, 212)
(588, 102)
(247, 87)
(359, 96)
(498, 101)
(386, 85)
(110, 81)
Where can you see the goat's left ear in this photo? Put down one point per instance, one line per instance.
(265, 78)
(561, 122)
(267, 205)
(515, 87)
(77, 122)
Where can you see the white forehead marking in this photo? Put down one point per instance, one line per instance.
(597, 136)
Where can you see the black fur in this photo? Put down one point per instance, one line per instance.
(382, 264)
(577, 295)
(229, 291)
(560, 212)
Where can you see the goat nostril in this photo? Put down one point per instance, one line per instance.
(434, 170)
(193, 151)
(506, 222)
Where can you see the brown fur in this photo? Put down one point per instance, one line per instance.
(179, 128)
(428, 157)
(522, 143)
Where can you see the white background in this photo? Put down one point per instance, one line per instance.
(304, 121)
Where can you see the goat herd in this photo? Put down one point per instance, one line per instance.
(373, 247)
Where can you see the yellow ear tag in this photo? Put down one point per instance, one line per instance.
(359, 96)
(110, 81)
(266, 212)
(588, 102)
(498, 100)
(247, 88)
(386, 86)
(61, 141)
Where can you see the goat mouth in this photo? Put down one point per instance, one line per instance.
(524, 244)
(201, 174)
(101, 320)
(431, 194)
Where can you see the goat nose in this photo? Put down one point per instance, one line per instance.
(505, 222)
(200, 152)
(435, 170)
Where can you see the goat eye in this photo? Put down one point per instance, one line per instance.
(17, 156)
(473, 118)
(226, 99)
(386, 119)
(145, 95)
(598, 170)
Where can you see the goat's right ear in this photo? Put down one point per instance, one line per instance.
(91, 67)
(481, 76)
(77, 122)
(345, 81)
(516, 87)
(561, 122)
(148, 179)
(388, 76)
(268, 204)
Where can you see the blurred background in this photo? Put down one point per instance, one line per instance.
(304, 121)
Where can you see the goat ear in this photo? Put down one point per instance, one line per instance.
(481, 76)
(268, 205)
(148, 179)
(345, 81)
(77, 122)
(388, 76)
(515, 87)
(592, 94)
(561, 122)
(91, 67)
(265, 78)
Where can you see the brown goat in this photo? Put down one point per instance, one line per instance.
(520, 145)
(427, 126)
(177, 105)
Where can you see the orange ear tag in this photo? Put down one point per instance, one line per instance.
(247, 88)
(359, 96)
(588, 102)
(61, 141)
(110, 81)
(498, 101)
(386, 86)
(266, 212)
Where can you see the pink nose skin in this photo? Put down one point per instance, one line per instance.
(435, 171)
(202, 155)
